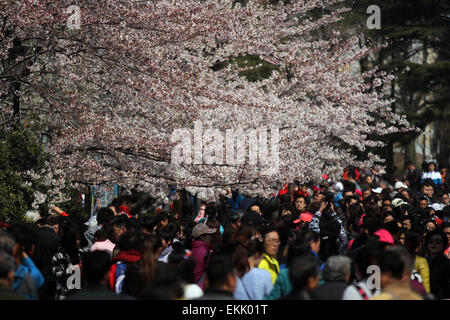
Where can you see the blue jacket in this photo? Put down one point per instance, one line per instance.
(254, 285)
(237, 203)
(27, 268)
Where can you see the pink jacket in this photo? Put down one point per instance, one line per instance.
(106, 245)
(200, 252)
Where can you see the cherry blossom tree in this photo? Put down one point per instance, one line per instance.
(118, 85)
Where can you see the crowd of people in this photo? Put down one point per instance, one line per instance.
(366, 236)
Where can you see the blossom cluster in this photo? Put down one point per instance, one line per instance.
(112, 92)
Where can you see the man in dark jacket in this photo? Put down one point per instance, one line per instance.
(220, 279)
(413, 176)
(47, 242)
(336, 274)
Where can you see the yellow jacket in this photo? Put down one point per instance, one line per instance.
(271, 265)
(421, 266)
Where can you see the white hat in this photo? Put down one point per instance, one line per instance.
(397, 202)
(400, 184)
(377, 190)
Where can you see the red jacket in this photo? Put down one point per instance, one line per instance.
(131, 256)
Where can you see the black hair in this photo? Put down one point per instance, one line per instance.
(300, 246)
(443, 236)
(412, 241)
(297, 196)
(124, 200)
(218, 270)
(385, 195)
(363, 257)
(392, 227)
(391, 261)
(148, 223)
(24, 234)
(266, 230)
(428, 183)
(129, 241)
(349, 187)
(210, 211)
(133, 225)
(236, 216)
(301, 269)
(425, 221)
(167, 284)
(104, 215)
(120, 221)
(96, 265)
(408, 163)
(444, 225)
(372, 223)
(433, 163)
(387, 214)
(243, 252)
(52, 220)
(101, 234)
(283, 199)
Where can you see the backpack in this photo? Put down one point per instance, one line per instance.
(117, 276)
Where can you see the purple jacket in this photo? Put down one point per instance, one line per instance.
(200, 252)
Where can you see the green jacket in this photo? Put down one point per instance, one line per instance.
(282, 286)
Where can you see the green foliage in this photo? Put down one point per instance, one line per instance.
(415, 30)
(20, 151)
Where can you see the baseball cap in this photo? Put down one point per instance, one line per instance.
(398, 202)
(377, 190)
(306, 217)
(200, 229)
(400, 184)
(385, 236)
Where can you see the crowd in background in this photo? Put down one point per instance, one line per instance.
(321, 240)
